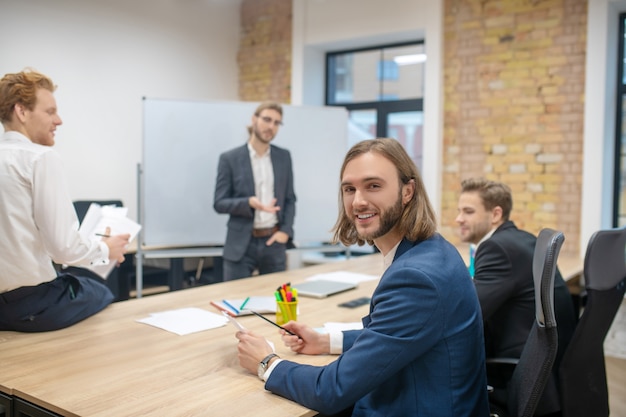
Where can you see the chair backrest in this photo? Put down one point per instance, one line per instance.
(81, 206)
(535, 364)
(582, 373)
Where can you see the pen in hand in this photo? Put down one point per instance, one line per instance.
(271, 322)
(103, 235)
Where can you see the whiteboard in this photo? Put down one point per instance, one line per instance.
(182, 142)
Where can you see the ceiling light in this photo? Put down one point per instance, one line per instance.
(410, 59)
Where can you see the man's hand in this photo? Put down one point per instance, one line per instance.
(308, 341)
(280, 237)
(117, 245)
(256, 204)
(252, 349)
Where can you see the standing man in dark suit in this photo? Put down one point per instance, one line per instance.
(420, 352)
(254, 186)
(503, 274)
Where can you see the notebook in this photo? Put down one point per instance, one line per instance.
(323, 288)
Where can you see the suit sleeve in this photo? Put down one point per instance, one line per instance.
(226, 200)
(493, 277)
(398, 331)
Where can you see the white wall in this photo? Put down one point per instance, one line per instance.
(321, 26)
(600, 102)
(105, 56)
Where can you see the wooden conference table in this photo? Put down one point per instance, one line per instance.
(111, 365)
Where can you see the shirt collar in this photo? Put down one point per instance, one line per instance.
(487, 236)
(253, 153)
(14, 136)
(388, 259)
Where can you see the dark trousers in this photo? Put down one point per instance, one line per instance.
(266, 259)
(52, 305)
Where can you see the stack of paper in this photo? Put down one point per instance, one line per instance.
(97, 219)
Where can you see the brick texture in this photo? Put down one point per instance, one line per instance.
(513, 99)
(513, 107)
(264, 56)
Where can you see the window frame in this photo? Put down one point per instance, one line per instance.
(619, 122)
(382, 107)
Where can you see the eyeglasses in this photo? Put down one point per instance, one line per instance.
(269, 120)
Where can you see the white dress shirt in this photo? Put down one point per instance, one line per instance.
(336, 337)
(263, 173)
(38, 222)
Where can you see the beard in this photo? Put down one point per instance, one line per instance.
(388, 220)
(259, 135)
(477, 232)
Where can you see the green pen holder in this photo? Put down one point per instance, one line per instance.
(286, 311)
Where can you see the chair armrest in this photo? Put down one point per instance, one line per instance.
(502, 361)
(503, 367)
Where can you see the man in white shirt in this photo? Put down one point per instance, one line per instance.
(38, 223)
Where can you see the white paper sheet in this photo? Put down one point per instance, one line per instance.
(185, 320)
(97, 219)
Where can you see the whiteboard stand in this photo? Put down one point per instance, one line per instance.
(139, 253)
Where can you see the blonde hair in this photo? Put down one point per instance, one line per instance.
(21, 88)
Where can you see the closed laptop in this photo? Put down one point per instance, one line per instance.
(323, 288)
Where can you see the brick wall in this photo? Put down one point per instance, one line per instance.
(264, 55)
(513, 99)
(513, 107)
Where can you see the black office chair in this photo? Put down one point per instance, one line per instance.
(582, 372)
(81, 206)
(534, 367)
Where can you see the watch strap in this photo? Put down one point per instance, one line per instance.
(268, 358)
(264, 362)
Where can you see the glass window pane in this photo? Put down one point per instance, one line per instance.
(380, 74)
(353, 77)
(621, 178)
(388, 70)
(340, 78)
(623, 63)
(366, 86)
(361, 126)
(409, 73)
(406, 127)
(621, 216)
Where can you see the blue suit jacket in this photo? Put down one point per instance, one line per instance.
(235, 185)
(421, 351)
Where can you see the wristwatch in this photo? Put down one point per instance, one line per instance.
(263, 364)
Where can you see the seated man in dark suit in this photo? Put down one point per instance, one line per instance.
(503, 274)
